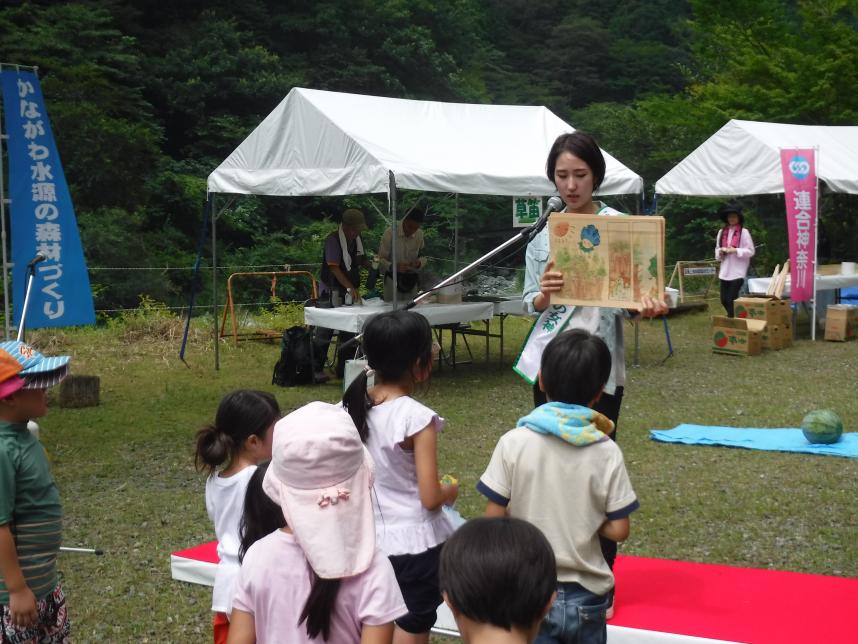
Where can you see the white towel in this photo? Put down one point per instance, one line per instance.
(344, 246)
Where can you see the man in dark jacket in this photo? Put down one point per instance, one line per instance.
(342, 258)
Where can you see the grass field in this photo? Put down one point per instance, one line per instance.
(126, 476)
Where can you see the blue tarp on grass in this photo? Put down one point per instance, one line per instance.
(774, 440)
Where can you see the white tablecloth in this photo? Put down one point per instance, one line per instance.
(353, 318)
(823, 283)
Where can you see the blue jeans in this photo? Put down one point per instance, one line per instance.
(577, 617)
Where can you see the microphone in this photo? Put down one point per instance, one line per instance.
(554, 205)
(40, 257)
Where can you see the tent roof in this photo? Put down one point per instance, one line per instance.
(328, 143)
(743, 158)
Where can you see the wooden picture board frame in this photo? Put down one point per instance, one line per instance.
(607, 260)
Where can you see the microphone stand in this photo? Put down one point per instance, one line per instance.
(31, 274)
(525, 234)
(554, 205)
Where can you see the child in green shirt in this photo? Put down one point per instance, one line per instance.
(32, 604)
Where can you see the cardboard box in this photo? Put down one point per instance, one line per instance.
(764, 307)
(772, 337)
(829, 269)
(737, 336)
(776, 313)
(841, 322)
(786, 335)
(777, 336)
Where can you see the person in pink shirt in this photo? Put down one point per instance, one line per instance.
(734, 248)
(321, 578)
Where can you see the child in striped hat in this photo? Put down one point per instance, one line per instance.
(32, 604)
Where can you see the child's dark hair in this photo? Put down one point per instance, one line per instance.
(241, 414)
(320, 605)
(575, 367)
(393, 342)
(261, 515)
(499, 571)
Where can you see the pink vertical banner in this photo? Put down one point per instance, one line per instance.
(800, 188)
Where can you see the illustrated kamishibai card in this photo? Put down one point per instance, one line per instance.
(606, 260)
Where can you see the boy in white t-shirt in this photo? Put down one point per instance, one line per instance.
(559, 470)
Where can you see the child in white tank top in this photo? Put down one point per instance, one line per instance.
(401, 434)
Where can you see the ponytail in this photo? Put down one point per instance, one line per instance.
(240, 414)
(213, 448)
(357, 402)
(319, 607)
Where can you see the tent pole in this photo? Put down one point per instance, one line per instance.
(815, 241)
(456, 234)
(3, 200)
(214, 282)
(391, 204)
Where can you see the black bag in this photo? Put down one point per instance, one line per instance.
(295, 366)
(405, 281)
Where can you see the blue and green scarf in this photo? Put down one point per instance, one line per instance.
(575, 424)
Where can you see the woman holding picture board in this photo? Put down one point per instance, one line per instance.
(576, 167)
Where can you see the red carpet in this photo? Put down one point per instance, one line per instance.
(206, 552)
(689, 600)
(735, 604)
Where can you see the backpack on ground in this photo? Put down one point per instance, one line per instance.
(295, 366)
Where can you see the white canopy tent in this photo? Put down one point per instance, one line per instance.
(743, 158)
(329, 143)
(317, 143)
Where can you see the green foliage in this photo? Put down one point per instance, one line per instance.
(281, 315)
(777, 62)
(90, 73)
(147, 98)
(150, 320)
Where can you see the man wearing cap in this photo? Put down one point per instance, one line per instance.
(342, 258)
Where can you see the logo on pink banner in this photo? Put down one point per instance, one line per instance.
(800, 186)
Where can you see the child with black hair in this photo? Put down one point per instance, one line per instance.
(497, 577)
(238, 440)
(559, 470)
(261, 515)
(321, 576)
(401, 434)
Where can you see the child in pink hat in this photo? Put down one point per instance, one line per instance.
(321, 578)
(32, 604)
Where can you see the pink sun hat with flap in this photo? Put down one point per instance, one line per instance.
(321, 477)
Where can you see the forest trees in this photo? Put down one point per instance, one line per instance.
(146, 98)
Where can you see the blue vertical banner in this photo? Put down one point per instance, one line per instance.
(42, 216)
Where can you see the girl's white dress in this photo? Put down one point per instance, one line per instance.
(402, 524)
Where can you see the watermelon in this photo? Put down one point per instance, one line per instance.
(822, 426)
